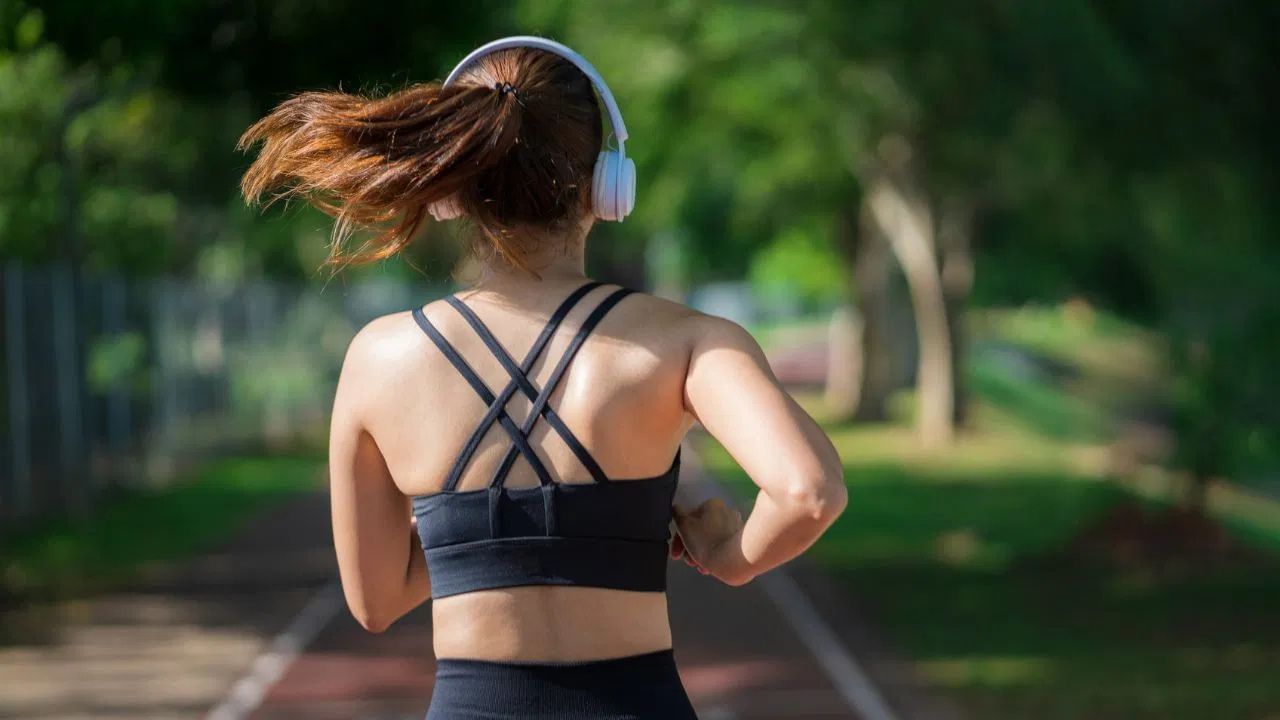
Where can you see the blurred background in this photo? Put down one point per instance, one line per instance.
(1020, 258)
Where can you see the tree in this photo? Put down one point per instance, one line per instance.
(127, 118)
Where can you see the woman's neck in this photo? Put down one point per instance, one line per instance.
(557, 270)
(559, 264)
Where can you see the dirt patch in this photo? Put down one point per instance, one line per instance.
(1130, 534)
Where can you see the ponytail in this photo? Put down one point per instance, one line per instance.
(514, 142)
(376, 163)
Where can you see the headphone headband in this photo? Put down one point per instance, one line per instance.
(551, 46)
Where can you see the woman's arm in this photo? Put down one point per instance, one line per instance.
(731, 390)
(384, 573)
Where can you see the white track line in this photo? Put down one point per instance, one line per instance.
(249, 691)
(842, 668)
(718, 712)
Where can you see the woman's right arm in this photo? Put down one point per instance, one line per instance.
(732, 392)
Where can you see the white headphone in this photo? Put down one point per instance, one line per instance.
(613, 183)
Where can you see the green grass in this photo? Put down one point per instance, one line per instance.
(1042, 407)
(959, 558)
(134, 528)
(962, 554)
(1098, 344)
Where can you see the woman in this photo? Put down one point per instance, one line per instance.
(538, 490)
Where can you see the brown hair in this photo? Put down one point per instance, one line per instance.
(515, 137)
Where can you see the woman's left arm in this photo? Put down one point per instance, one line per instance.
(383, 570)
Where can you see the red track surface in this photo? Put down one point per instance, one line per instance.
(738, 657)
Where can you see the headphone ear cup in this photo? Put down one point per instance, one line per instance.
(613, 185)
(446, 209)
(602, 185)
(626, 187)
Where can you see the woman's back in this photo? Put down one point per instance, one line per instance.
(530, 501)
(621, 396)
(622, 393)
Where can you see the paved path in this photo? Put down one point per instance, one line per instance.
(171, 645)
(208, 634)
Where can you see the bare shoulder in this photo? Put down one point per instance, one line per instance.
(384, 341)
(662, 312)
(692, 328)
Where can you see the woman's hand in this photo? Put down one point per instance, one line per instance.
(678, 552)
(703, 540)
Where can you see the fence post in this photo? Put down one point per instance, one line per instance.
(118, 411)
(67, 364)
(19, 408)
(158, 453)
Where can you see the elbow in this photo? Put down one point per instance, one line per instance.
(373, 623)
(819, 497)
(737, 579)
(371, 619)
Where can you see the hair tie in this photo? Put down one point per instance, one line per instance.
(505, 87)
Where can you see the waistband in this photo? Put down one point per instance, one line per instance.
(656, 660)
(646, 685)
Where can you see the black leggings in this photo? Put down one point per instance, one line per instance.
(636, 687)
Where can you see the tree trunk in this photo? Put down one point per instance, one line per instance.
(955, 227)
(885, 348)
(907, 222)
(862, 351)
(845, 363)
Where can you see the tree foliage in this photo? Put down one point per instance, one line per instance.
(1122, 152)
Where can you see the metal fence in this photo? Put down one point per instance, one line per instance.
(109, 382)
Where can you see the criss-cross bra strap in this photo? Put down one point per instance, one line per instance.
(544, 395)
(519, 377)
(519, 439)
(498, 406)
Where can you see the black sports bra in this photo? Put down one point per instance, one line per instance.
(610, 534)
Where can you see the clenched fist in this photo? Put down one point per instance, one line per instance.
(702, 535)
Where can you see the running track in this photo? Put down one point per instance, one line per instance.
(741, 657)
(257, 629)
